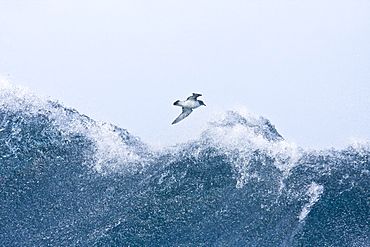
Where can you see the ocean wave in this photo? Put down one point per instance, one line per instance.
(68, 180)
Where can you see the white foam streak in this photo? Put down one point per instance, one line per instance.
(314, 192)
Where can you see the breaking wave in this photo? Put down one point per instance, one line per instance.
(67, 180)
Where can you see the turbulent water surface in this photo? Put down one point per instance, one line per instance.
(67, 180)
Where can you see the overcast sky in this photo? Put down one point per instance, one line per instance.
(305, 65)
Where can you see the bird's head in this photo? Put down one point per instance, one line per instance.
(201, 103)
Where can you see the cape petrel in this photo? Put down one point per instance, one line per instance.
(187, 106)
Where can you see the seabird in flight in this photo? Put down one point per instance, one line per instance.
(187, 106)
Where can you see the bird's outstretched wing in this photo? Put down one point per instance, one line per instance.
(194, 96)
(185, 112)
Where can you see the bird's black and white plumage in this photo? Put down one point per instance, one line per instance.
(187, 106)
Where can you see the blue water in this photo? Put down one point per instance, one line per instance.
(67, 180)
